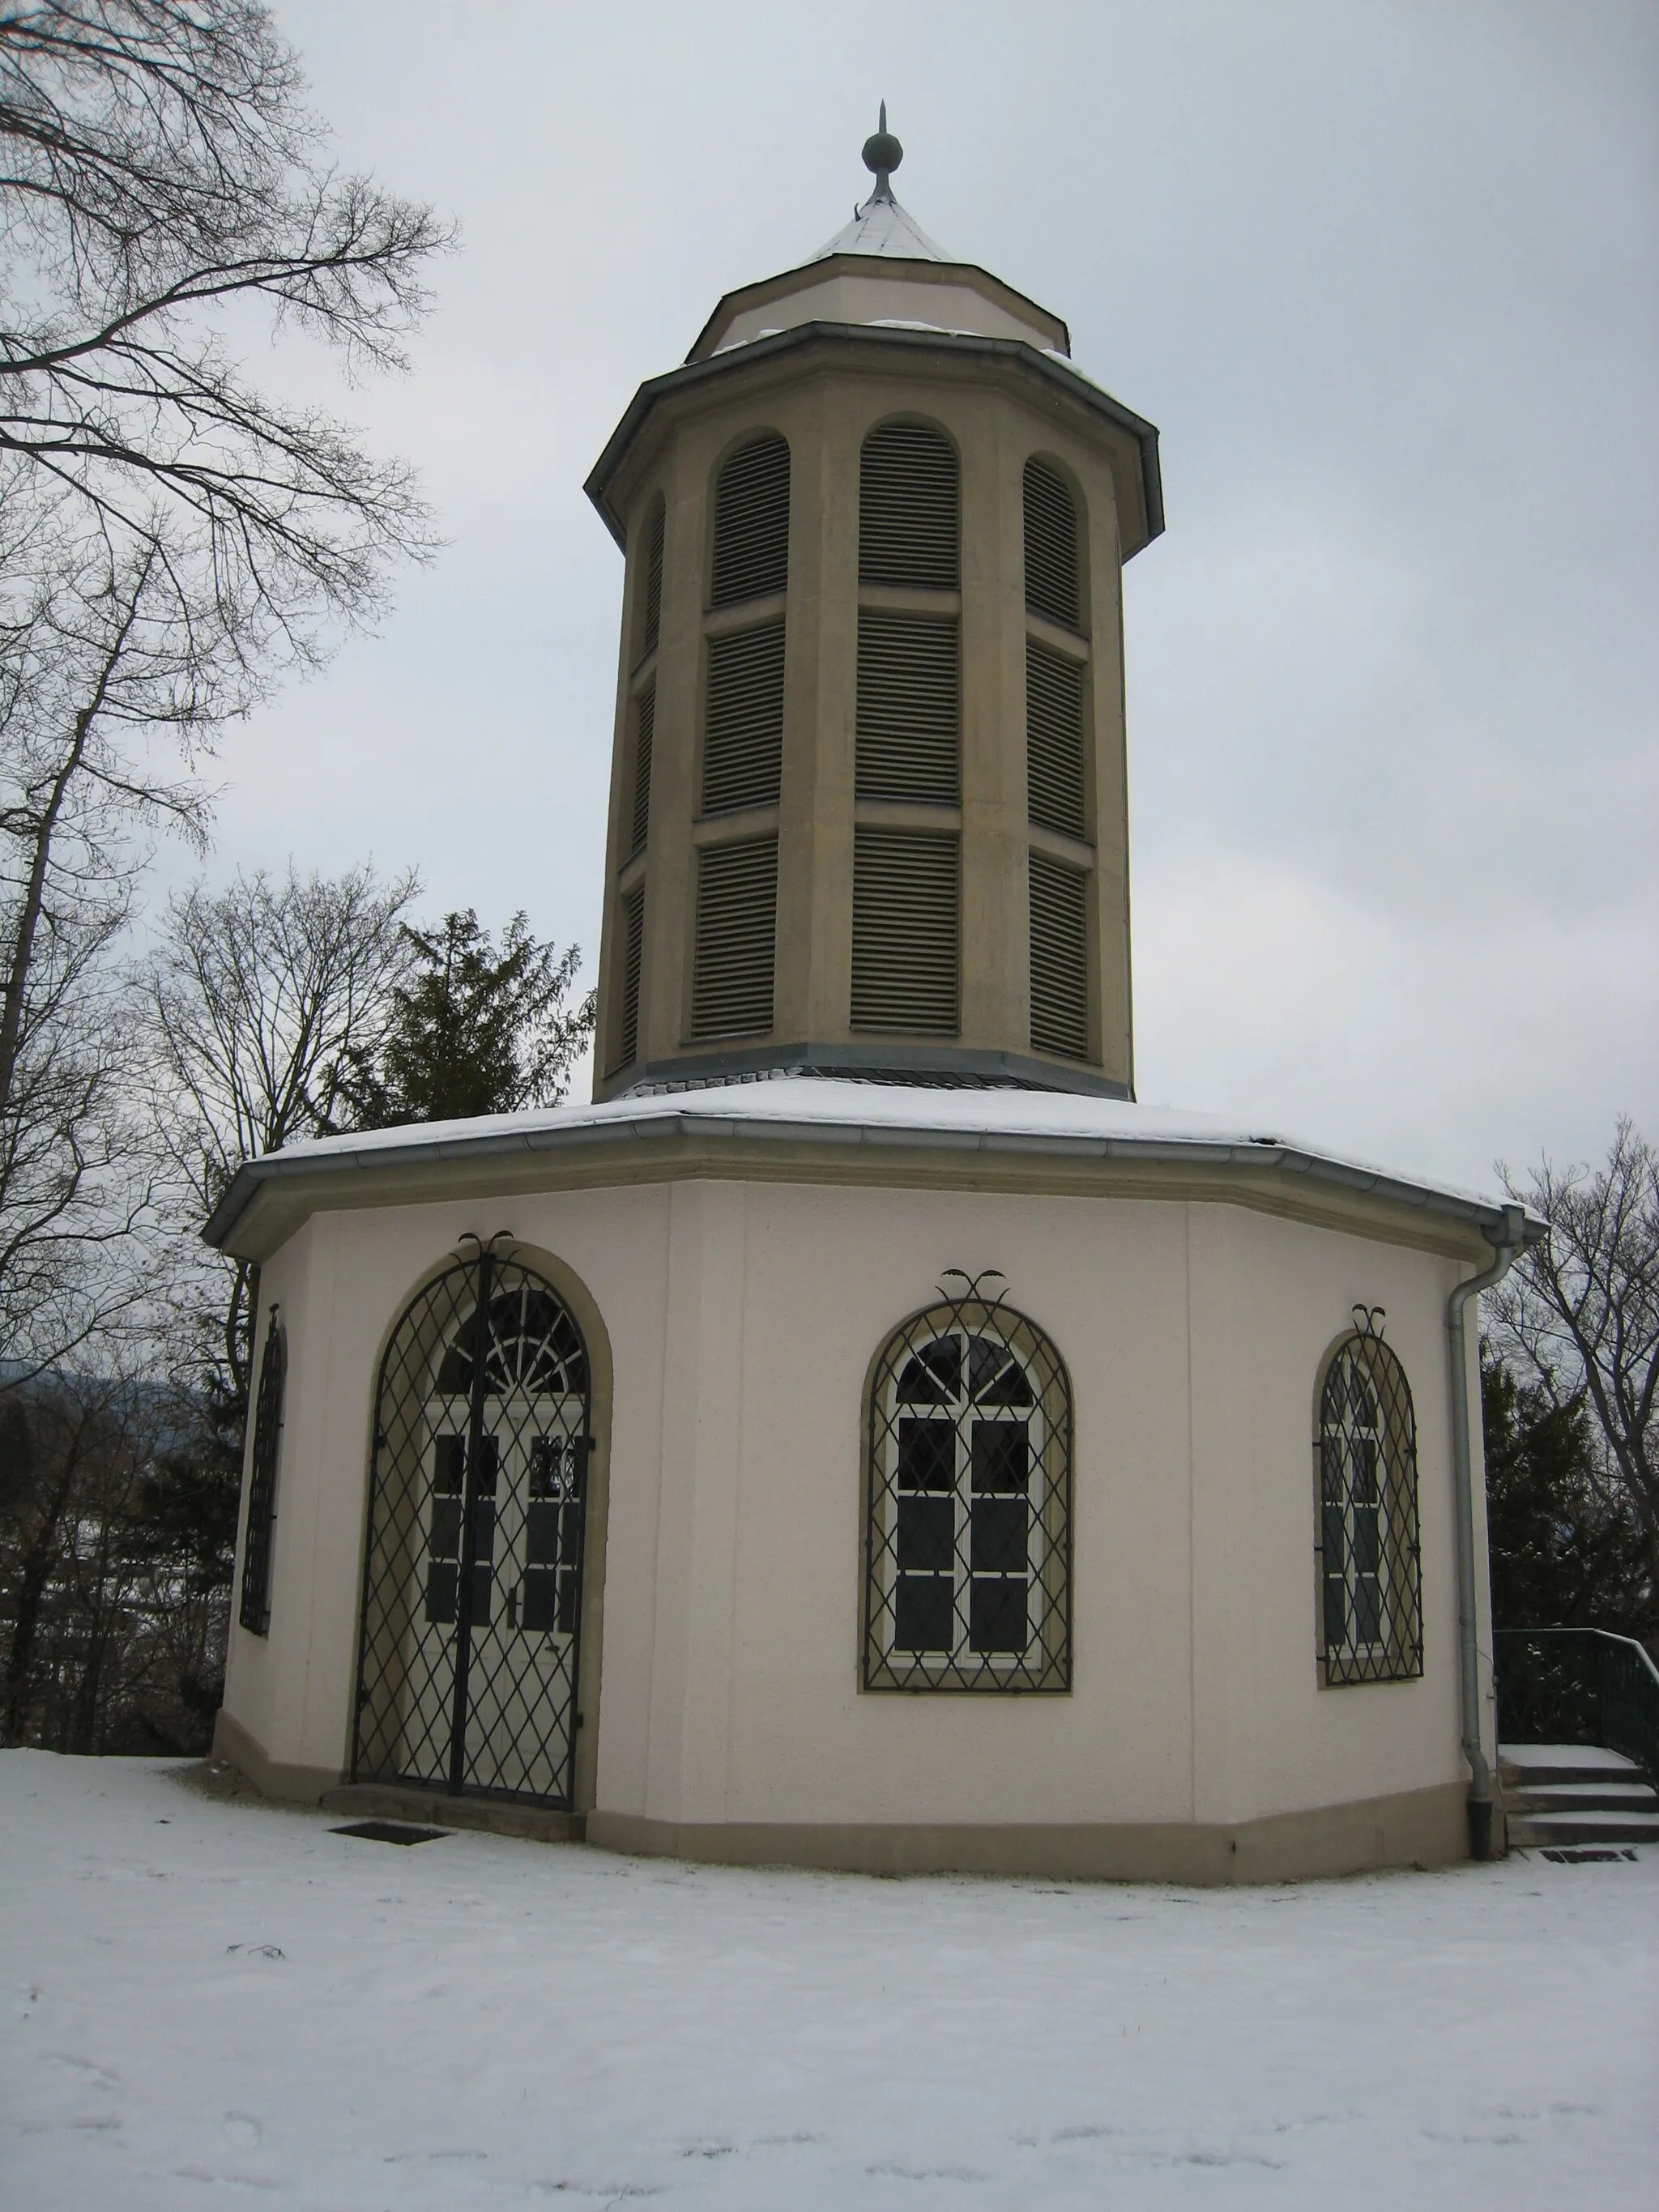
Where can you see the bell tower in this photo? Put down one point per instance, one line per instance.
(868, 812)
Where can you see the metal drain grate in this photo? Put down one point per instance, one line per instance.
(1577, 1854)
(391, 1832)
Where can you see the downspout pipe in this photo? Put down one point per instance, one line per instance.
(1507, 1242)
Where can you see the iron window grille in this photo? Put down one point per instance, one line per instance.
(254, 1611)
(469, 1655)
(1366, 1548)
(967, 1472)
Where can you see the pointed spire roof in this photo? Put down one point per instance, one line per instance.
(882, 271)
(881, 225)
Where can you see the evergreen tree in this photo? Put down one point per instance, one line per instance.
(475, 1029)
(1567, 1549)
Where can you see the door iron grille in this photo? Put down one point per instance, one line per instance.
(1370, 1583)
(968, 1525)
(470, 1657)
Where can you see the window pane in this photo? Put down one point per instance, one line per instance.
(547, 1466)
(927, 1455)
(540, 1599)
(1336, 1612)
(1367, 1611)
(922, 1614)
(441, 1584)
(446, 1527)
(1367, 1544)
(448, 1465)
(1000, 1529)
(996, 1614)
(567, 1601)
(541, 1538)
(926, 1534)
(1002, 1455)
(484, 1595)
(932, 1377)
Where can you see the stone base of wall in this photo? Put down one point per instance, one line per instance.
(1418, 1827)
(297, 1786)
(1415, 1827)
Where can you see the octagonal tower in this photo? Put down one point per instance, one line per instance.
(867, 803)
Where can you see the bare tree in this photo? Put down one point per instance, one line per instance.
(260, 996)
(1579, 1314)
(160, 169)
(107, 691)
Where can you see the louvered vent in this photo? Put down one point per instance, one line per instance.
(909, 507)
(743, 733)
(909, 714)
(906, 898)
(633, 923)
(645, 729)
(1051, 567)
(1060, 959)
(653, 581)
(737, 928)
(751, 522)
(1053, 740)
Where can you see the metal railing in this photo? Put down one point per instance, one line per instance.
(1577, 1686)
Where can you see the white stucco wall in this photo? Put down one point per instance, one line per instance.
(742, 1319)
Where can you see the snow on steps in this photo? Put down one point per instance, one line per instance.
(1577, 1794)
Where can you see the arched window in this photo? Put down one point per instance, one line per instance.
(751, 522)
(909, 507)
(656, 532)
(969, 1487)
(1052, 579)
(254, 1613)
(469, 1662)
(1371, 1608)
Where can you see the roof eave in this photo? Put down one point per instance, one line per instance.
(1485, 1215)
(1071, 380)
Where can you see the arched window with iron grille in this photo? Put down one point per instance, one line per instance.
(254, 1611)
(1370, 1583)
(967, 1475)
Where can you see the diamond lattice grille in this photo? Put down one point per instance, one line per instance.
(472, 1584)
(968, 1532)
(1369, 1568)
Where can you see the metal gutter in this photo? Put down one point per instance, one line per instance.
(1511, 1237)
(1070, 379)
(876, 1135)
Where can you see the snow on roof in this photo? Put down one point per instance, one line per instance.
(850, 1110)
(882, 225)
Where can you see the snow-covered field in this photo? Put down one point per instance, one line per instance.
(214, 2003)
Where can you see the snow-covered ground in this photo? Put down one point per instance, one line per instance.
(214, 2003)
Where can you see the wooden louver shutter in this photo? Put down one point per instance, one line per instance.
(1053, 740)
(633, 921)
(908, 509)
(751, 522)
(736, 936)
(905, 900)
(1060, 959)
(653, 581)
(909, 708)
(1051, 563)
(743, 729)
(645, 729)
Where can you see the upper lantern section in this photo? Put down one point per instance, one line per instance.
(882, 270)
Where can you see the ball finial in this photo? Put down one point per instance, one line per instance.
(882, 152)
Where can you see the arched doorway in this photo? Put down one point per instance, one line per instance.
(468, 1666)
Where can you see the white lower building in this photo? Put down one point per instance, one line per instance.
(856, 1474)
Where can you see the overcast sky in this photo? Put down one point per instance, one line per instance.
(1384, 276)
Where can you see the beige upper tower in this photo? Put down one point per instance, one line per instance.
(867, 798)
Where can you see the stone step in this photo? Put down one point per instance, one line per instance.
(1584, 1797)
(1528, 1764)
(433, 1808)
(1531, 1830)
